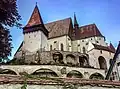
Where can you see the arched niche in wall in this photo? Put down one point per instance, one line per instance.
(70, 59)
(102, 62)
(74, 74)
(96, 76)
(7, 71)
(58, 57)
(45, 73)
(83, 61)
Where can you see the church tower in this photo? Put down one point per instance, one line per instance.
(76, 25)
(35, 33)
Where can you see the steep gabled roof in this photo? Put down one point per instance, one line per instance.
(112, 47)
(35, 23)
(88, 31)
(35, 18)
(58, 28)
(100, 47)
(20, 47)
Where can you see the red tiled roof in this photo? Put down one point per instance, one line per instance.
(35, 18)
(87, 31)
(106, 48)
(58, 28)
(112, 47)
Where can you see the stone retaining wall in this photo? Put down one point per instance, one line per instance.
(86, 72)
(16, 82)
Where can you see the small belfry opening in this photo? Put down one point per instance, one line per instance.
(96, 76)
(58, 57)
(44, 73)
(74, 74)
(102, 63)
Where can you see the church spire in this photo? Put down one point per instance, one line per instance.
(75, 21)
(35, 18)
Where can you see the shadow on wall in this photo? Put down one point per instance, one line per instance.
(7, 71)
(74, 74)
(44, 73)
(96, 76)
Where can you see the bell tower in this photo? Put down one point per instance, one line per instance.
(35, 33)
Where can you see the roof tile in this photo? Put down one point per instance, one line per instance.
(87, 31)
(58, 28)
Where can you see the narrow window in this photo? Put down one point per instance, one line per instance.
(50, 47)
(62, 47)
(84, 51)
(87, 43)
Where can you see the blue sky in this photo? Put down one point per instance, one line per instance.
(104, 13)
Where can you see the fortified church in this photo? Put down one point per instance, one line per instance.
(63, 49)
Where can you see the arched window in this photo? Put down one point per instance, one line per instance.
(102, 62)
(50, 47)
(84, 51)
(62, 49)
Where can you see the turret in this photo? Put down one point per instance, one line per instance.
(76, 25)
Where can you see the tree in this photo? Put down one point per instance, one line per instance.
(9, 17)
(5, 43)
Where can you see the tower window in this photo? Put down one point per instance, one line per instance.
(62, 47)
(84, 51)
(101, 51)
(50, 47)
(55, 41)
(87, 43)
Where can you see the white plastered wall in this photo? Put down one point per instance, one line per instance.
(56, 43)
(95, 54)
(79, 44)
(33, 41)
